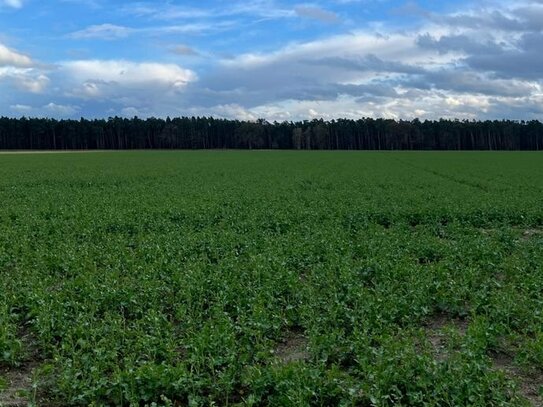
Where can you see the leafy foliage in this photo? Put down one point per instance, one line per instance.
(172, 277)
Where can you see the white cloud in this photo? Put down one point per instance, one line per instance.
(12, 3)
(429, 105)
(126, 73)
(267, 9)
(26, 79)
(9, 57)
(396, 46)
(316, 13)
(32, 83)
(20, 108)
(113, 32)
(232, 110)
(60, 110)
(130, 111)
(104, 31)
(19, 70)
(129, 88)
(184, 50)
(480, 62)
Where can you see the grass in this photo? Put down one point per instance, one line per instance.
(273, 278)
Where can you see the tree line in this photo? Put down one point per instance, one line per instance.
(210, 133)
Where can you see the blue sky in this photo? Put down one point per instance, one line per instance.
(272, 59)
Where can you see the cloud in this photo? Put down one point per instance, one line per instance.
(357, 45)
(114, 32)
(130, 111)
(60, 110)
(123, 87)
(459, 43)
(94, 4)
(524, 60)
(9, 57)
(160, 10)
(50, 109)
(321, 69)
(20, 108)
(316, 13)
(456, 69)
(127, 73)
(12, 3)
(184, 50)
(103, 31)
(25, 79)
(481, 61)
(232, 110)
(21, 71)
(30, 82)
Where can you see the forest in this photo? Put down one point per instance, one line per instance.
(118, 133)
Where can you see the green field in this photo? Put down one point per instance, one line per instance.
(271, 278)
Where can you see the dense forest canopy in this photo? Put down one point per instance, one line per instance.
(211, 133)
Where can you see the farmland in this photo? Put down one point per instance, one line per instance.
(271, 278)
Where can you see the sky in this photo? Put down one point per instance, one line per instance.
(272, 59)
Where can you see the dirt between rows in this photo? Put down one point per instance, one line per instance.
(528, 383)
(18, 380)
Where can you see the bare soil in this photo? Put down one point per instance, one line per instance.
(531, 233)
(18, 379)
(434, 329)
(529, 383)
(292, 348)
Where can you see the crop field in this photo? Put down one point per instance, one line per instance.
(228, 278)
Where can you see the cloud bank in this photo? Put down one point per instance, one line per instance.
(484, 61)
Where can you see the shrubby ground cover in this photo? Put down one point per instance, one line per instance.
(271, 278)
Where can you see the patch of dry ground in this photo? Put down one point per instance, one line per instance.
(19, 385)
(529, 384)
(292, 348)
(530, 233)
(436, 336)
(18, 380)
(526, 234)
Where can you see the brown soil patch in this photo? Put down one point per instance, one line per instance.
(19, 385)
(529, 384)
(434, 330)
(19, 379)
(292, 348)
(530, 233)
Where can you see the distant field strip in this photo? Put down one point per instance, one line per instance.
(288, 278)
(7, 152)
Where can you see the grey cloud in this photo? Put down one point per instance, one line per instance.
(531, 16)
(519, 19)
(368, 62)
(12, 3)
(498, 71)
(526, 61)
(184, 50)
(463, 42)
(483, 19)
(116, 32)
(103, 31)
(165, 10)
(316, 13)
(467, 82)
